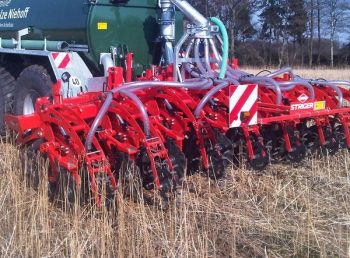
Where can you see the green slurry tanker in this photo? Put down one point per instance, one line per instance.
(75, 41)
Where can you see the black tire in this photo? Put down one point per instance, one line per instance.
(7, 85)
(33, 82)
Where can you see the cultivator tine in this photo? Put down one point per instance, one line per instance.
(156, 151)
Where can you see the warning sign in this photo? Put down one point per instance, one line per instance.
(102, 26)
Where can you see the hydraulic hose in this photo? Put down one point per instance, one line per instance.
(186, 65)
(212, 92)
(141, 107)
(289, 85)
(266, 82)
(198, 59)
(215, 50)
(207, 59)
(236, 74)
(282, 71)
(225, 46)
(96, 123)
(190, 84)
(334, 87)
(208, 96)
(345, 83)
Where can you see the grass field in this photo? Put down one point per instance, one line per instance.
(316, 73)
(289, 211)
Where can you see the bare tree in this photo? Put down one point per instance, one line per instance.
(319, 9)
(336, 12)
(237, 16)
(311, 24)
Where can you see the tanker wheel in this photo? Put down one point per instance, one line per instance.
(7, 84)
(33, 82)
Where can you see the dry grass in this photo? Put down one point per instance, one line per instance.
(299, 211)
(286, 212)
(315, 73)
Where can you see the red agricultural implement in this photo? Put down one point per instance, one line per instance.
(194, 112)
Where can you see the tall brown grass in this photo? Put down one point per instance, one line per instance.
(289, 211)
(314, 73)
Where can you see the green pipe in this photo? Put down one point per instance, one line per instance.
(35, 44)
(224, 34)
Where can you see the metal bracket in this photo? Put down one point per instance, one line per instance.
(20, 34)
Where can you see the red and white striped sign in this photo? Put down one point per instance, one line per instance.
(243, 100)
(62, 60)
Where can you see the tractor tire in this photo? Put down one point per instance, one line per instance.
(34, 82)
(7, 83)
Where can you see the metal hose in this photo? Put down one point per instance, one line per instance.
(186, 65)
(337, 83)
(198, 59)
(222, 84)
(208, 96)
(207, 59)
(334, 87)
(96, 123)
(215, 50)
(141, 107)
(289, 85)
(265, 82)
(192, 84)
(230, 71)
(282, 71)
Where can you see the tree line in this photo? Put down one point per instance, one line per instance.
(284, 32)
